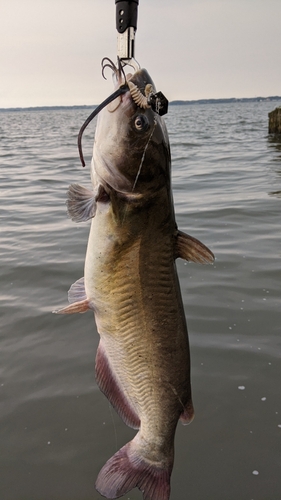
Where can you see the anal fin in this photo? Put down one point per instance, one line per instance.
(109, 385)
(191, 249)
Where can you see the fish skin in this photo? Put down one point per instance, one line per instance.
(131, 284)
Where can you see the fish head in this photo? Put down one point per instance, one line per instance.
(131, 149)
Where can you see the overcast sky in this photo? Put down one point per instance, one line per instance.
(51, 50)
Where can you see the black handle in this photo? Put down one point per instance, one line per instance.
(126, 14)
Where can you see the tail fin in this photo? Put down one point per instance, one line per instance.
(127, 470)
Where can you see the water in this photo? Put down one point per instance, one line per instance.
(56, 428)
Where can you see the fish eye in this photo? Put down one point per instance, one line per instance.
(141, 123)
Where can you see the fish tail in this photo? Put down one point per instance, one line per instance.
(127, 469)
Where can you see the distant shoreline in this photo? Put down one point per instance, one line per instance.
(172, 103)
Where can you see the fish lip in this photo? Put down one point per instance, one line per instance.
(139, 85)
(140, 78)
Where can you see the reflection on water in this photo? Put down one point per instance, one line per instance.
(275, 140)
(275, 193)
(57, 429)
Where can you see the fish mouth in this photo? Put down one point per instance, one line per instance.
(139, 83)
(138, 86)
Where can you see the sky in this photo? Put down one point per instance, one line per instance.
(51, 50)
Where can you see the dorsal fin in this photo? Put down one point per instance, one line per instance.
(191, 249)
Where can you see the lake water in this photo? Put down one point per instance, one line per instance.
(56, 428)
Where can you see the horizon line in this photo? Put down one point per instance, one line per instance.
(175, 102)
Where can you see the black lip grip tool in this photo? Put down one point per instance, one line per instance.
(126, 25)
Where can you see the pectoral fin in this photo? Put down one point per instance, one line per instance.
(77, 292)
(77, 299)
(191, 249)
(81, 203)
(77, 307)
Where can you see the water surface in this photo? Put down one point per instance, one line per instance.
(56, 428)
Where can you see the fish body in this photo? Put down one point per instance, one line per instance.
(131, 284)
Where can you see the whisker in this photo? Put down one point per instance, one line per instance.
(143, 156)
(139, 170)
